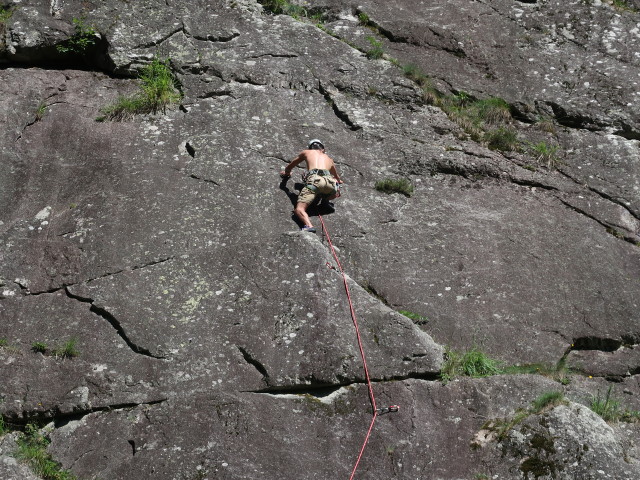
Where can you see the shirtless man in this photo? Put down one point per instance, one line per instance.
(321, 179)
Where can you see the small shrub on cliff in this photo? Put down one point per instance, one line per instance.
(376, 50)
(83, 38)
(157, 90)
(5, 13)
(395, 185)
(32, 448)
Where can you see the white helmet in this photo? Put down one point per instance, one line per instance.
(315, 140)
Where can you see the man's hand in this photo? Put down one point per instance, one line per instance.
(284, 174)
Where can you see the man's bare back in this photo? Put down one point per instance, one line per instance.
(314, 159)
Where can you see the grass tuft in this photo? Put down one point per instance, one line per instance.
(417, 319)
(68, 350)
(395, 185)
(502, 139)
(32, 447)
(547, 400)
(158, 90)
(545, 154)
(610, 409)
(473, 363)
(559, 372)
(39, 347)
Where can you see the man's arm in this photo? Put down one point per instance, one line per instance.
(334, 172)
(287, 170)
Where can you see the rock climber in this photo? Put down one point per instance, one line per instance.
(321, 180)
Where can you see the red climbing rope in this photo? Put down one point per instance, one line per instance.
(364, 360)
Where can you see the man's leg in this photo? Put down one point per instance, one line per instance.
(301, 212)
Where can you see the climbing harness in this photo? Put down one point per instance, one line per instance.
(376, 411)
(321, 186)
(318, 171)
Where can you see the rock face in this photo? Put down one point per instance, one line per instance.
(213, 340)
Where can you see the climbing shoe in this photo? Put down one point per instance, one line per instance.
(308, 229)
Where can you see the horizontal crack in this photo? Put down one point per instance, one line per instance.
(323, 389)
(61, 419)
(105, 275)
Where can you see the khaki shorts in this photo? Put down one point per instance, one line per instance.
(324, 186)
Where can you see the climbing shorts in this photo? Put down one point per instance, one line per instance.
(317, 185)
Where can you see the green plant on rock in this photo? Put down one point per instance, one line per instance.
(417, 319)
(376, 51)
(5, 13)
(547, 400)
(395, 185)
(41, 111)
(39, 347)
(559, 372)
(541, 404)
(545, 154)
(502, 139)
(492, 111)
(412, 72)
(546, 124)
(611, 410)
(364, 19)
(283, 7)
(3, 427)
(32, 448)
(158, 89)
(68, 350)
(3, 342)
(623, 5)
(473, 363)
(83, 38)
